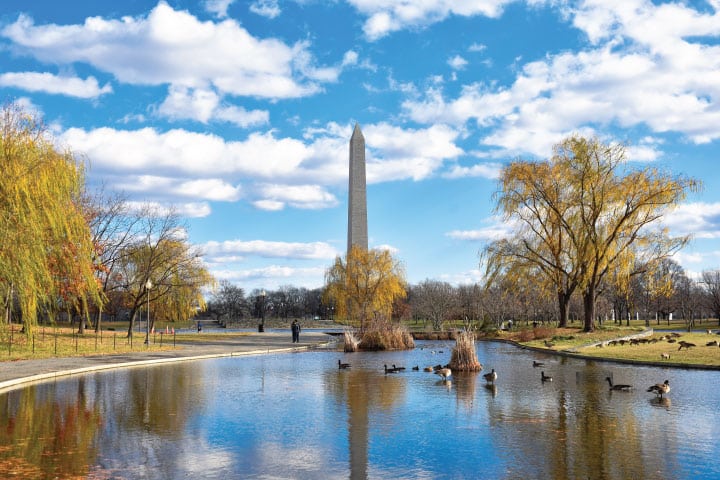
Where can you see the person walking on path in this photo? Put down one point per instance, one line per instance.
(295, 327)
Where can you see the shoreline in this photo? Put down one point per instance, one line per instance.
(22, 373)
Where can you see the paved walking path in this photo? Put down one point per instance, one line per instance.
(16, 374)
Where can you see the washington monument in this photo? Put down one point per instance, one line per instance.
(357, 198)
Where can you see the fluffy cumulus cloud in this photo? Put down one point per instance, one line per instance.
(702, 220)
(54, 84)
(279, 172)
(266, 8)
(174, 47)
(387, 16)
(640, 68)
(399, 153)
(204, 105)
(269, 249)
(218, 7)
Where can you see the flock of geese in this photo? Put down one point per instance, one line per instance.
(658, 389)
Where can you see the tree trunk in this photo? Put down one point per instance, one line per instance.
(98, 320)
(589, 307)
(132, 323)
(564, 304)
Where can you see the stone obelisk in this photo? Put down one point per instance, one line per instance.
(357, 198)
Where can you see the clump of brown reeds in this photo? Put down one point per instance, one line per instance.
(464, 358)
(351, 341)
(385, 335)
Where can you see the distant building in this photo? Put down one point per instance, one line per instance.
(357, 193)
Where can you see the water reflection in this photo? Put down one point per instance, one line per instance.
(299, 416)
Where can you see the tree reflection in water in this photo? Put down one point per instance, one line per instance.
(299, 416)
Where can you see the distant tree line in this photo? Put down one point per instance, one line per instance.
(230, 303)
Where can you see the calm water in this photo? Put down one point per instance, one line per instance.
(298, 416)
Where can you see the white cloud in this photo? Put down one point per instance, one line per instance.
(642, 71)
(495, 232)
(398, 153)
(268, 249)
(274, 276)
(387, 16)
(700, 219)
(485, 170)
(189, 210)
(54, 84)
(218, 7)
(276, 197)
(277, 172)
(266, 8)
(204, 105)
(457, 62)
(174, 47)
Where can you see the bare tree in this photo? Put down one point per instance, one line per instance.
(711, 286)
(434, 300)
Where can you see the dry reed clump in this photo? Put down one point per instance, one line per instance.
(382, 335)
(543, 332)
(525, 335)
(464, 358)
(351, 341)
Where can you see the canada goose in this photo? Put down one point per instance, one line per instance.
(398, 369)
(545, 378)
(416, 368)
(444, 373)
(714, 343)
(618, 387)
(491, 377)
(685, 344)
(389, 370)
(549, 344)
(660, 388)
(342, 366)
(538, 364)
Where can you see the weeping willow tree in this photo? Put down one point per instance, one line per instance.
(46, 248)
(365, 285)
(584, 218)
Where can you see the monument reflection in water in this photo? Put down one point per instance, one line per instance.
(299, 416)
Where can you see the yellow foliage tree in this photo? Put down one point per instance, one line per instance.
(614, 228)
(584, 218)
(534, 199)
(174, 269)
(46, 249)
(365, 285)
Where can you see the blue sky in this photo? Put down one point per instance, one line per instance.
(239, 113)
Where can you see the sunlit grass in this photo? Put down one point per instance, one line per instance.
(48, 342)
(700, 354)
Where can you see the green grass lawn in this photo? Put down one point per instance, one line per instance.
(567, 339)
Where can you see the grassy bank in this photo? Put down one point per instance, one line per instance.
(661, 347)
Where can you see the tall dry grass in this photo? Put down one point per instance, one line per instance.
(385, 335)
(464, 358)
(351, 341)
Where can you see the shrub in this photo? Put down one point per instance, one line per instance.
(525, 335)
(543, 332)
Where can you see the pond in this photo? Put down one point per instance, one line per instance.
(300, 416)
